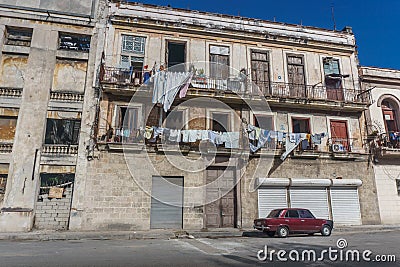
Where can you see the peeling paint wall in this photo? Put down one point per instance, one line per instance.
(69, 76)
(13, 69)
(7, 129)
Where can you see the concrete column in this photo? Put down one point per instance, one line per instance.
(21, 194)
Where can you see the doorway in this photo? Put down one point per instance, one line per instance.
(221, 188)
(176, 55)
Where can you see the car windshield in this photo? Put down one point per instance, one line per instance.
(274, 214)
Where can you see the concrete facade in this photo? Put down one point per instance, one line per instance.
(384, 85)
(43, 83)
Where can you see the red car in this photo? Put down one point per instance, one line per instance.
(285, 221)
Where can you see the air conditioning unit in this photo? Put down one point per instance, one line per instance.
(338, 148)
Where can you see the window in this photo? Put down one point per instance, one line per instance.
(292, 214)
(18, 36)
(274, 214)
(174, 120)
(301, 125)
(176, 55)
(398, 186)
(306, 214)
(219, 62)
(260, 70)
(264, 121)
(333, 79)
(48, 180)
(220, 122)
(70, 41)
(389, 116)
(3, 183)
(133, 44)
(62, 131)
(7, 128)
(127, 118)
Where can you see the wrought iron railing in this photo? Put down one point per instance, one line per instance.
(243, 85)
(60, 149)
(342, 144)
(390, 140)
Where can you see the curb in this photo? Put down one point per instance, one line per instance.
(143, 235)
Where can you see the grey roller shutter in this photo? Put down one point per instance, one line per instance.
(314, 199)
(271, 198)
(166, 203)
(345, 206)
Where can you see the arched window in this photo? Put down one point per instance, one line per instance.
(390, 115)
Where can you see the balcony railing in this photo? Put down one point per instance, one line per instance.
(124, 76)
(341, 144)
(63, 96)
(6, 147)
(244, 86)
(60, 149)
(390, 140)
(10, 92)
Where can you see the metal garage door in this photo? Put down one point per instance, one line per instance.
(166, 203)
(269, 199)
(345, 206)
(314, 199)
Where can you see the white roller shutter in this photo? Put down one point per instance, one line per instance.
(271, 198)
(345, 206)
(313, 198)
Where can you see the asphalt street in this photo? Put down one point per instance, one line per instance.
(240, 251)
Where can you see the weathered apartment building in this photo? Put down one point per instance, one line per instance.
(383, 123)
(173, 118)
(48, 51)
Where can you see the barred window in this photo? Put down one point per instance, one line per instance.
(133, 44)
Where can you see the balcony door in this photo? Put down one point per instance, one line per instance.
(333, 79)
(296, 76)
(176, 55)
(339, 134)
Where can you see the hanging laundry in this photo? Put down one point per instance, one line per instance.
(175, 136)
(148, 132)
(212, 136)
(185, 136)
(167, 85)
(158, 131)
(232, 140)
(263, 138)
(316, 139)
(290, 146)
(185, 87)
(192, 136)
(204, 135)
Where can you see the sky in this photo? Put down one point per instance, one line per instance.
(375, 23)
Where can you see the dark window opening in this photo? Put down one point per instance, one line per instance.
(260, 70)
(7, 128)
(128, 118)
(48, 180)
(3, 183)
(219, 62)
(174, 120)
(264, 122)
(18, 36)
(301, 125)
(62, 131)
(220, 122)
(398, 186)
(333, 79)
(68, 41)
(176, 55)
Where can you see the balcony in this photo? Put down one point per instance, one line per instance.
(60, 149)
(66, 96)
(6, 147)
(389, 144)
(240, 87)
(10, 92)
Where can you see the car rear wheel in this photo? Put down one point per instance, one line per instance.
(283, 231)
(326, 230)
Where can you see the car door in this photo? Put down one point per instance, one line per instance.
(292, 219)
(307, 220)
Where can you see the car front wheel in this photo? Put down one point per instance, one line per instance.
(326, 230)
(283, 231)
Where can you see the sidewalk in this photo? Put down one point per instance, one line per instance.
(167, 234)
